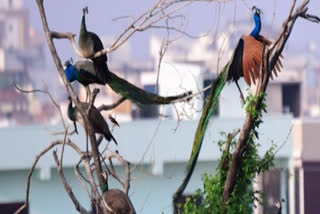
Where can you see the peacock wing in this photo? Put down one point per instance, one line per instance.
(251, 59)
(89, 78)
(97, 121)
(278, 65)
(235, 68)
(98, 46)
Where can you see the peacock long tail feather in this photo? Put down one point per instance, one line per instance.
(207, 112)
(138, 95)
(210, 105)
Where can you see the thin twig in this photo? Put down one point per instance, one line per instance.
(72, 94)
(112, 106)
(125, 164)
(70, 36)
(78, 174)
(45, 91)
(44, 151)
(68, 189)
(92, 99)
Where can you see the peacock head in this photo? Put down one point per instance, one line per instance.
(70, 99)
(256, 16)
(257, 11)
(71, 110)
(85, 11)
(105, 186)
(70, 71)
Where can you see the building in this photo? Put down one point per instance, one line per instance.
(164, 152)
(21, 57)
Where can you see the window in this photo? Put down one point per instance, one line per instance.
(272, 186)
(9, 208)
(149, 111)
(291, 98)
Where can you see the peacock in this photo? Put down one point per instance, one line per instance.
(247, 56)
(85, 73)
(208, 109)
(116, 199)
(98, 123)
(89, 44)
(245, 62)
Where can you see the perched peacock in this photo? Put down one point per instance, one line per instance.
(247, 56)
(116, 199)
(84, 72)
(89, 44)
(245, 62)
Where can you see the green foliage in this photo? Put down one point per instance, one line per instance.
(243, 196)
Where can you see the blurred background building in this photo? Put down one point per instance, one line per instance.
(21, 58)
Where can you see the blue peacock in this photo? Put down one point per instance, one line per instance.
(245, 63)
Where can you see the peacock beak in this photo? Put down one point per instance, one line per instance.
(257, 10)
(67, 63)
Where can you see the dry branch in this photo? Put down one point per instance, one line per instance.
(74, 97)
(45, 91)
(44, 151)
(78, 174)
(112, 106)
(92, 99)
(125, 164)
(70, 36)
(68, 189)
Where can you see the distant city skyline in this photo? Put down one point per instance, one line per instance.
(69, 17)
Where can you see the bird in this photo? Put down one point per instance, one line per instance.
(89, 44)
(208, 110)
(233, 70)
(116, 199)
(247, 56)
(85, 73)
(278, 205)
(113, 120)
(98, 123)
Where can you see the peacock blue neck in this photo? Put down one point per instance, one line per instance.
(105, 186)
(257, 28)
(71, 73)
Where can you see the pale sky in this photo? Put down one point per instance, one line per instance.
(201, 17)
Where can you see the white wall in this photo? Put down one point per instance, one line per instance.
(178, 78)
(151, 189)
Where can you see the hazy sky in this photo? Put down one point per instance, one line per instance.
(65, 15)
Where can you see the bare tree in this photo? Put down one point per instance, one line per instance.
(162, 10)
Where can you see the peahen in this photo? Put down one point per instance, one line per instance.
(116, 199)
(89, 44)
(98, 123)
